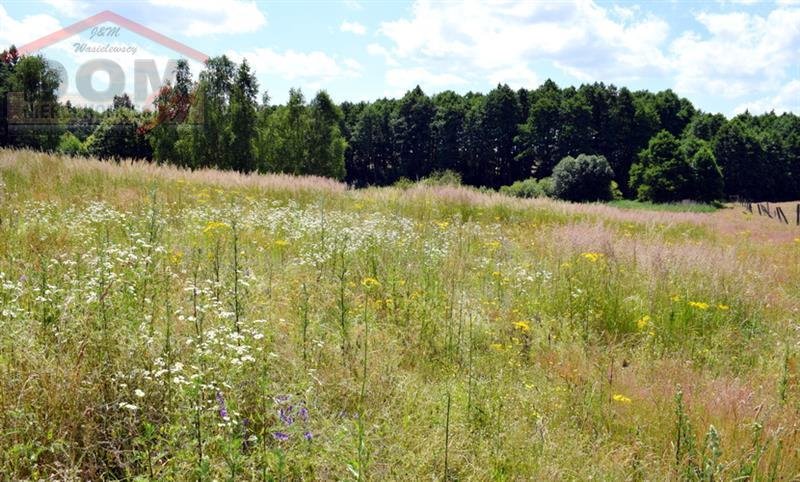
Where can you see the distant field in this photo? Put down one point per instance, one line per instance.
(159, 324)
(688, 207)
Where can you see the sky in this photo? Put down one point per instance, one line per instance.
(725, 56)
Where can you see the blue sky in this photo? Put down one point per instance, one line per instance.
(725, 56)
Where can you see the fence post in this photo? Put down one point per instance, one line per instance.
(781, 215)
(798, 214)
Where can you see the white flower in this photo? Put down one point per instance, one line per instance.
(139, 393)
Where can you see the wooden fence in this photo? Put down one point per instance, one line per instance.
(773, 212)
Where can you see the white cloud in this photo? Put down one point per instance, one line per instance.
(317, 67)
(28, 29)
(199, 18)
(69, 8)
(490, 37)
(515, 77)
(399, 80)
(353, 27)
(786, 100)
(381, 51)
(743, 53)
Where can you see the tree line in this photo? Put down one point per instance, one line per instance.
(605, 141)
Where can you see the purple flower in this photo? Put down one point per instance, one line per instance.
(285, 415)
(223, 411)
(303, 412)
(281, 399)
(245, 438)
(281, 436)
(308, 435)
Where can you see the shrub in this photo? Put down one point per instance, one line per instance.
(529, 188)
(662, 173)
(442, 178)
(119, 136)
(583, 178)
(403, 183)
(70, 145)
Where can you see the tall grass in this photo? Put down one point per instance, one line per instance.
(166, 324)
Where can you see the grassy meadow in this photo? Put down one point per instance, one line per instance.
(160, 324)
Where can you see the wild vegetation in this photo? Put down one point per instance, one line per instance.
(166, 324)
(659, 147)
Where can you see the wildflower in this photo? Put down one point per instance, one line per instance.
(139, 393)
(370, 282)
(621, 398)
(496, 346)
(223, 410)
(308, 435)
(642, 322)
(443, 224)
(522, 326)
(722, 307)
(492, 245)
(176, 256)
(214, 226)
(303, 413)
(675, 298)
(699, 305)
(281, 243)
(280, 436)
(592, 257)
(128, 406)
(285, 415)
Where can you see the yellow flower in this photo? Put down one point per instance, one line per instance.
(723, 307)
(522, 326)
(492, 245)
(621, 398)
(281, 243)
(176, 256)
(443, 224)
(370, 282)
(675, 298)
(642, 322)
(213, 226)
(593, 257)
(496, 346)
(699, 305)
(496, 274)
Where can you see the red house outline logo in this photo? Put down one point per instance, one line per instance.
(19, 113)
(109, 16)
